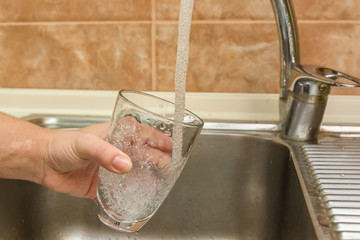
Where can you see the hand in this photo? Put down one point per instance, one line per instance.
(68, 161)
(72, 158)
(142, 143)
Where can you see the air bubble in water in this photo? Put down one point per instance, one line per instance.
(162, 126)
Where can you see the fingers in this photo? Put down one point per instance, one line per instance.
(157, 157)
(89, 146)
(151, 144)
(153, 137)
(157, 139)
(145, 153)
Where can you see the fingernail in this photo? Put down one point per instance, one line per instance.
(121, 165)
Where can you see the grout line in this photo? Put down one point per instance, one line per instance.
(153, 46)
(234, 21)
(219, 21)
(74, 23)
(154, 21)
(330, 21)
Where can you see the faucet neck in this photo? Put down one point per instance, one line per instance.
(289, 45)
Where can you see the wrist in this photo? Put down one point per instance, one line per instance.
(34, 154)
(22, 149)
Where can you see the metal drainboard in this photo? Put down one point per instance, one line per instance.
(335, 167)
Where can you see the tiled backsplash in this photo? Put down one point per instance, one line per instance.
(116, 44)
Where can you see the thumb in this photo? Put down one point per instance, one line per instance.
(89, 146)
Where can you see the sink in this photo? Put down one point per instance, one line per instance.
(234, 186)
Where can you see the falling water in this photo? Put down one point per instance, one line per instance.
(182, 59)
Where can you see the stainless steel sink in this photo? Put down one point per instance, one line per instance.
(234, 186)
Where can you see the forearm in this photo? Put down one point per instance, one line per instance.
(22, 149)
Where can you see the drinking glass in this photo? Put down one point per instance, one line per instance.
(143, 127)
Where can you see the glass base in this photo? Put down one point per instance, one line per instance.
(121, 226)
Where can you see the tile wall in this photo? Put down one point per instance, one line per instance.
(115, 44)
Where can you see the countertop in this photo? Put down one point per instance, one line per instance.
(209, 106)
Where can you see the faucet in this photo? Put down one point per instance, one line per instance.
(304, 89)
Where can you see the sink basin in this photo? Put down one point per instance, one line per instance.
(234, 186)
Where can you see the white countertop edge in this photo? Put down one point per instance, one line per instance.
(209, 106)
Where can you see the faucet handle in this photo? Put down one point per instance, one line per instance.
(314, 80)
(330, 76)
(308, 97)
(340, 79)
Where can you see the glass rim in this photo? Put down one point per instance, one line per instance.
(158, 115)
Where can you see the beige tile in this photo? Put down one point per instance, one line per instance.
(245, 57)
(105, 56)
(223, 58)
(217, 9)
(74, 10)
(327, 9)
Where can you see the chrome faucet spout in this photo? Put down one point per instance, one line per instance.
(289, 45)
(304, 89)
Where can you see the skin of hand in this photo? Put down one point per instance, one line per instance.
(142, 142)
(72, 160)
(68, 161)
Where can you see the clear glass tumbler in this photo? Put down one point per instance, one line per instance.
(143, 127)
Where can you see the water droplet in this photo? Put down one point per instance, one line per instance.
(163, 126)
